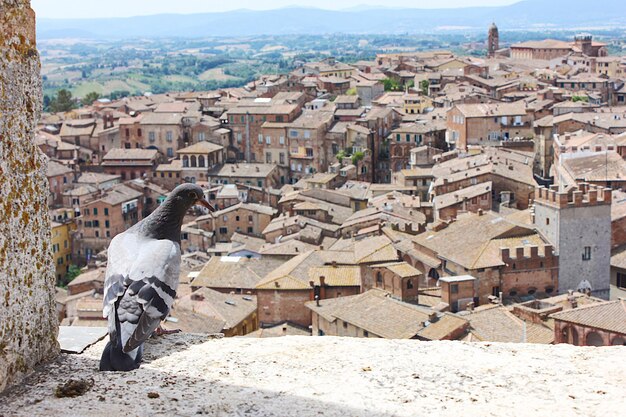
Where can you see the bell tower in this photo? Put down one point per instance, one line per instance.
(493, 42)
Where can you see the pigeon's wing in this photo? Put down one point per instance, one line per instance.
(142, 278)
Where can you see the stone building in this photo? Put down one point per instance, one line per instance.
(578, 223)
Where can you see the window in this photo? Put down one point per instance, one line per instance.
(225, 218)
(170, 152)
(379, 277)
(281, 140)
(547, 221)
(250, 218)
(151, 136)
(307, 134)
(408, 137)
(107, 224)
(250, 230)
(260, 138)
(106, 211)
(345, 325)
(201, 136)
(587, 253)
(397, 137)
(239, 137)
(237, 218)
(268, 140)
(223, 230)
(454, 289)
(621, 280)
(409, 284)
(95, 211)
(309, 152)
(268, 157)
(282, 158)
(366, 333)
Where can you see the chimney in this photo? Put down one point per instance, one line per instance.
(291, 210)
(322, 288)
(257, 169)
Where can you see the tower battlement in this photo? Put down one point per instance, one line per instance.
(586, 195)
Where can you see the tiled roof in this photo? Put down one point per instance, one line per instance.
(203, 147)
(402, 269)
(337, 276)
(230, 309)
(130, 154)
(610, 316)
(55, 169)
(383, 316)
(498, 324)
(234, 272)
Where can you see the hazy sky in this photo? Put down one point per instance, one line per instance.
(126, 8)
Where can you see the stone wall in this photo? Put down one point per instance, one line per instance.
(28, 321)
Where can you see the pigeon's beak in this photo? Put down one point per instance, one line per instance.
(206, 204)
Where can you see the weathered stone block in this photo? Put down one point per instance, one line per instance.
(28, 322)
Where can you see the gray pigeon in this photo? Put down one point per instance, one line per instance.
(142, 278)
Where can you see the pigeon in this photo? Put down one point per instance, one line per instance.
(142, 278)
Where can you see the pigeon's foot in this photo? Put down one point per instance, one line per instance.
(160, 331)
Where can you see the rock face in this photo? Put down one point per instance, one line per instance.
(188, 375)
(28, 320)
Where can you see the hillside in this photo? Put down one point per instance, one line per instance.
(526, 14)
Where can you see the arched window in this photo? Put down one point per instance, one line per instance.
(532, 291)
(594, 339)
(379, 277)
(185, 161)
(194, 163)
(409, 284)
(513, 293)
(201, 161)
(433, 273)
(619, 341)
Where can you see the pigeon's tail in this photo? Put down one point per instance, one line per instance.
(113, 357)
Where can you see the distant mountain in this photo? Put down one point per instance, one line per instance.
(528, 14)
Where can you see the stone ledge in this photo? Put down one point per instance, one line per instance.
(305, 376)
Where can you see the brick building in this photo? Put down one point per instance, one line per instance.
(60, 179)
(131, 163)
(377, 315)
(103, 216)
(246, 121)
(487, 124)
(244, 218)
(601, 324)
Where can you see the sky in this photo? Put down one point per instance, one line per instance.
(76, 9)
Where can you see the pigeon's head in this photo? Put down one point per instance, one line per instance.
(187, 195)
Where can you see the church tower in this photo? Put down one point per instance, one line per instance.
(493, 43)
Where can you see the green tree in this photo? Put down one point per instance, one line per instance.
(358, 156)
(340, 155)
(391, 85)
(424, 84)
(62, 102)
(72, 272)
(90, 98)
